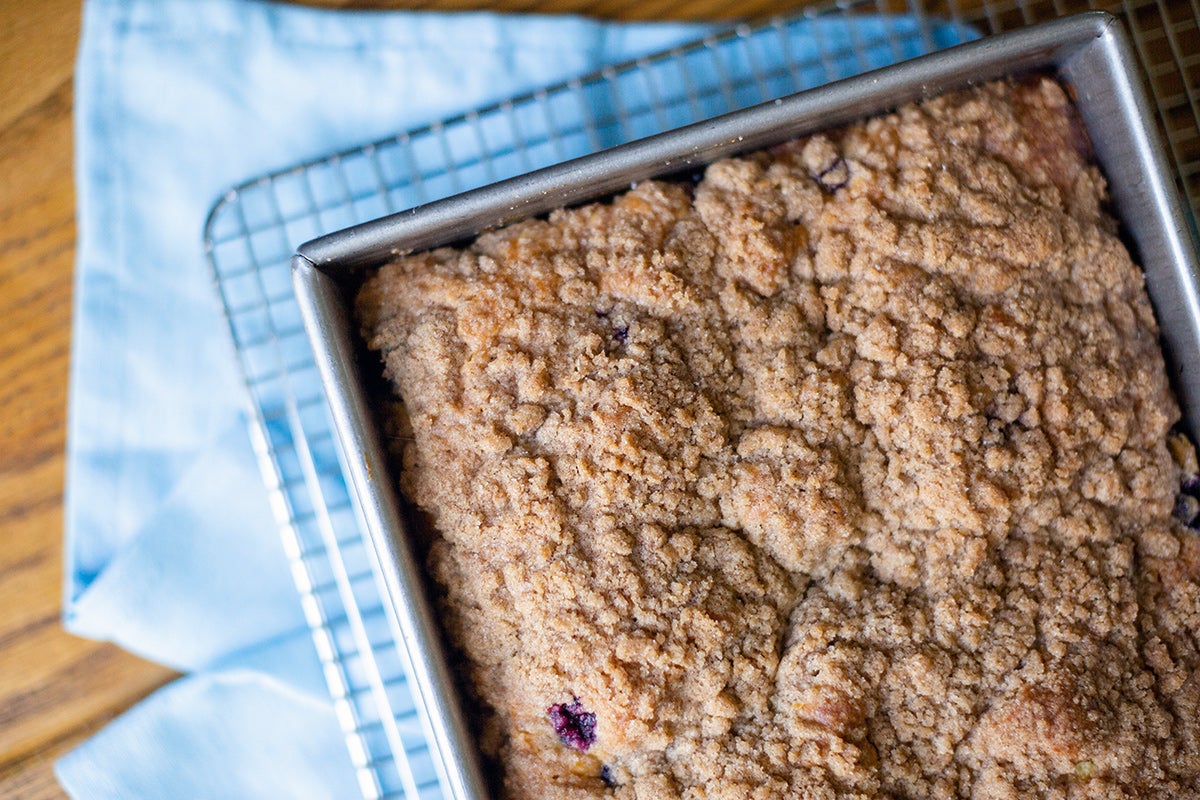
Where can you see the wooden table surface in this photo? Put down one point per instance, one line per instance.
(55, 689)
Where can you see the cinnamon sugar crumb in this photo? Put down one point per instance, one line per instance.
(845, 475)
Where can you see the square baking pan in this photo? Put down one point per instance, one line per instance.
(1088, 52)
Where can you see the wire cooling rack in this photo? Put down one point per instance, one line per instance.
(254, 229)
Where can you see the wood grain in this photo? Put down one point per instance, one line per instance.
(54, 689)
(627, 10)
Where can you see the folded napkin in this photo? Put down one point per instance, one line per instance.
(171, 549)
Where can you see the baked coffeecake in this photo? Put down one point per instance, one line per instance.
(846, 471)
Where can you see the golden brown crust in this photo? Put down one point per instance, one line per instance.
(843, 474)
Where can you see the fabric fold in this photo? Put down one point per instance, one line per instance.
(171, 550)
(237, 733)
(177, 101)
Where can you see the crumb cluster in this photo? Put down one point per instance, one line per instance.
(843, 472)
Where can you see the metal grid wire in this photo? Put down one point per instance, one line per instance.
(254, 229)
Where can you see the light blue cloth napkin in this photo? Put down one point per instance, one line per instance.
(171, 550)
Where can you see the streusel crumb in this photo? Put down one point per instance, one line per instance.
(841, 473)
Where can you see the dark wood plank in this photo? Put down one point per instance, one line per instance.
(55, 689)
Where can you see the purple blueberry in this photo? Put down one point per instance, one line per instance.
(1187, 508)
(834, 176)
(1187, 503)
(575, 726)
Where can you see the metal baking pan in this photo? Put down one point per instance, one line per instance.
(1089, 52)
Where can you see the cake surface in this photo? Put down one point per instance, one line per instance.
(843, 472)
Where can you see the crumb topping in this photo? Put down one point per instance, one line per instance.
(843, 473)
